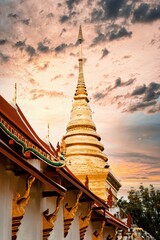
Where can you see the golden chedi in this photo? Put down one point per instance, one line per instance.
(84, 151)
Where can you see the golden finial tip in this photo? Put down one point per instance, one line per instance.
(80, 35)
(48, 135)
(15, 94)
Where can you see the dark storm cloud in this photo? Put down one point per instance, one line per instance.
(96, 15)
(126, 10)
(116, 34)
(113, 32)
(61, 47)
(144, 98)
(20, 44)
(105, 52)
(70, 6)
(64, 18)
(99, 95)
(26, 21)
(4, 58)
(151, 95)
(134, 10)
(100, 38)
(111, 8)
(30, 50)
(152, 92)
(139, 106)
(146, 13)
(139, 90)
(12, 15)
(129, 82)
(42, 48)
(3, 41)
(118, 83)
(70, 3)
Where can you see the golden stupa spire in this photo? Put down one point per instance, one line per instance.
(81, 88)
(80, 35)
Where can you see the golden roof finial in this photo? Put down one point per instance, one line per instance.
(15, 93)
(48, 135)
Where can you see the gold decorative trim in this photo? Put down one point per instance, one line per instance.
(61, 150)
(69, 213)
(28, 146)
(49, 219)
(97, 235)
(84, 222)
(18, 207)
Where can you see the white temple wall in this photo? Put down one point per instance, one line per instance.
(89, 232)
(6, 196)
(31, 224)
(58, 231)
(73, 233)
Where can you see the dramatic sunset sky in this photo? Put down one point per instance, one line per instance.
(121, 51)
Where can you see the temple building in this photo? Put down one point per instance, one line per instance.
(62, 193)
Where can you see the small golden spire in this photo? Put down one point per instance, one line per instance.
(15, 93)
(48, 135)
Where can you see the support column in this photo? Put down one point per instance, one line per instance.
(49, 219)
(18, 207)
(84, 222)
(6, 195)
(69, 213)
(97, 235)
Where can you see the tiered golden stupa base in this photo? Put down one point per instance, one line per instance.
(94, 177)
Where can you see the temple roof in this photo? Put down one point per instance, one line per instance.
(15, 124)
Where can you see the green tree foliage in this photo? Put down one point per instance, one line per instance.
(144, 206)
